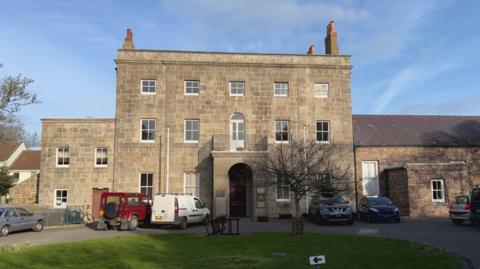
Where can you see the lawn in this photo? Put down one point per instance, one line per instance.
(251, 251)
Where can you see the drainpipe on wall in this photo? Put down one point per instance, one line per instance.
(167, 178)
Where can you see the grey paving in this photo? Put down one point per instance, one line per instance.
(462, 240)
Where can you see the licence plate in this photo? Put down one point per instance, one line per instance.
(159, 218)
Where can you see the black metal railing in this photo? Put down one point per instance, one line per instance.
(250, 142)
(72, 214)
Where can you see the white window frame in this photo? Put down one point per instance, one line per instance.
(140, 186)
(441, 190)
(185, 131)
(154, 87)
(237, 94)
(197, 178)
(56, 158)
(95, 158)
(185, 87)
(282, 199)
(275, 131)
(148, 130)
(275, 89)
(318, 91)
(329, 132)
(365, 179)
(55, 205)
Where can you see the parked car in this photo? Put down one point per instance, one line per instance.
(123, 211)
(178, 209)
(378, 209)
(460, 209)
(17, 219)
(330, 209)
(475, 205)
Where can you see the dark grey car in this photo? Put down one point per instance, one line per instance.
(330, 209)
(17, 219)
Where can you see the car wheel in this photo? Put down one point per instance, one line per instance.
(206, 220)
(457, 221)
(184, 224)
(5, 231)
(133, 223)
(38, 226)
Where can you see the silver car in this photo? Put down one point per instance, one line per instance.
(17, 219)
(460, 209)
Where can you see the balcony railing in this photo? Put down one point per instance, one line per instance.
(251, 142)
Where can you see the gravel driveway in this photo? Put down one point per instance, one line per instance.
(462, 240)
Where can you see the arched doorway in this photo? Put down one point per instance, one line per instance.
(240, 176)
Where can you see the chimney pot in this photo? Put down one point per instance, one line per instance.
(331, 45)
(128, 42)
(311, 50)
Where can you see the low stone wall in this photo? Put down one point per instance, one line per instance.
(25, 192)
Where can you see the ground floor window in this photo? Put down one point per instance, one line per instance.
(283, 189)
(191, 183)
(438, 192)
(146, 184)
(61, 198)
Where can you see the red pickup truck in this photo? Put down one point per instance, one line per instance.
(123, 210)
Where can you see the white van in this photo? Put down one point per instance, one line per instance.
(178, 209)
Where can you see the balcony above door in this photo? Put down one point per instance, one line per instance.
(246, 143)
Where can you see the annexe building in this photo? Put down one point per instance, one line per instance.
(193, 121)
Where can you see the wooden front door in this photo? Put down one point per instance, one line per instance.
(96, 195)
(238, 197)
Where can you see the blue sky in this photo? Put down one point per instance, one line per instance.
(409, 57)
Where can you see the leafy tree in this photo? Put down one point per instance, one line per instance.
(6, 181)
(306, 167)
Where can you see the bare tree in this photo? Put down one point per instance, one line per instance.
(14, 94)
(304, 167)
(13, 130)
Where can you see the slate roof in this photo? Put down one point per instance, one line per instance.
(411, 130)
(6, 150)
(27, 160)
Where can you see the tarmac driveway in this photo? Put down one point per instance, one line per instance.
(462, 240)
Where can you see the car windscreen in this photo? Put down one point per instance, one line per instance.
(461, 200)
(332, 200)
(112, 199)
(1, 211)
(379, 201)
(476, 196)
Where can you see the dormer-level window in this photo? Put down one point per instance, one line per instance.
(192, 87)
(280, 89)
(149, 87)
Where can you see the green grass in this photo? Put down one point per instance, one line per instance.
(251, 251)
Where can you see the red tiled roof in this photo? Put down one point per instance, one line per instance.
(405, 130)
(27, 160)
(6, 150)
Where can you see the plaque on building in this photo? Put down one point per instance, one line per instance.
(220, 193)
(260, 190)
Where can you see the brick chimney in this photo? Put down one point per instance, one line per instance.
(331, 45)
(311, 50)
(128, 42)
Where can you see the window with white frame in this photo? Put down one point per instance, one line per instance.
(237, 88)
(192, 87)
(101, 157)
(321, 90)
(61, 198)
(149, 87)
(192, 131)
(438, 192)
(283, 189)
(148, 130)
(280, 89)
(191, 183)
(323, 131)
(146, 184)
(281, 131)
(63, 157)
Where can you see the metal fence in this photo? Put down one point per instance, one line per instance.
(250, 142)
(72, 214)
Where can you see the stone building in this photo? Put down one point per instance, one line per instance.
(193, 121)
(420, 162)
